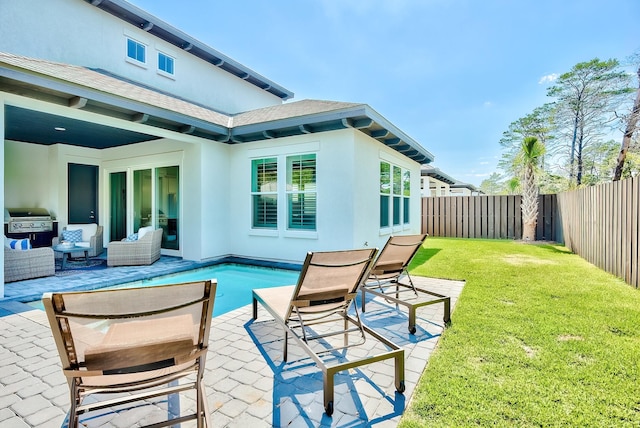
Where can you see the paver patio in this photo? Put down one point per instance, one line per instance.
(247, 382)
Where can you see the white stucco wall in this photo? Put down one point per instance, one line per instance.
(348, 177)
(370, 153)
(214, 213)
(334, 209)
(26, 175)
(75, 32)
(215, 185)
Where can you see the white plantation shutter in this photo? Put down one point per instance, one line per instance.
(264, 193)
(301, 192)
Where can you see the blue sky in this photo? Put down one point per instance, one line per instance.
(452, 74)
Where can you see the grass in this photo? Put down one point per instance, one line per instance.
(539, 337)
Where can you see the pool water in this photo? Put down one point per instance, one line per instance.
(235, 283)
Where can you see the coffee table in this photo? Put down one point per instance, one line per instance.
(66, 253)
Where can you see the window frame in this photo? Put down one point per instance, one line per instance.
(135, 60)
(290, 192)
(395, 197)
(284, 193)
(257, 193)
(163, 72)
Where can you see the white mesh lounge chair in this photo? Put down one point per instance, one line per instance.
(136, 343)
(315, 312)
(390, 270)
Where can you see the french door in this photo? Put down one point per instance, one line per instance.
(154, 200)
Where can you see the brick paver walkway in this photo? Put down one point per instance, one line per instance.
(248, 384)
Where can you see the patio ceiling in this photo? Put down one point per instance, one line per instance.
(33, 126)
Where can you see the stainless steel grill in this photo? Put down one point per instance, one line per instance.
(25, 220)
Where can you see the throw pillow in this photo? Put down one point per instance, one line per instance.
(18, 244)
(132, 237)
(72, 235)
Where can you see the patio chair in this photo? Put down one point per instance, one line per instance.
(88, 236)
(390, 270)
(144, 251)
(136, 343)
(316, 313)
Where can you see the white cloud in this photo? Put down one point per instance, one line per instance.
(549, 78)
(487, 104)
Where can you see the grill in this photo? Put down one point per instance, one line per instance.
(25, 220)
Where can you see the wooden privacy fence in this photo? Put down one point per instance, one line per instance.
(495, 217)
(600, 224)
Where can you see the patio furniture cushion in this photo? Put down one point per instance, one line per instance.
(17, 244)
(144, 230)
(87, 230)
(72, 235)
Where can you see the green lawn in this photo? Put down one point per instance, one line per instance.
(539, 337)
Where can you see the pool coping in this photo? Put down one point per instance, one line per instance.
(32, 289)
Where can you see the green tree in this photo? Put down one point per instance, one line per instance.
(493, 185)
(538, 123)
(586, 100)
(528, 162)
(630, 128)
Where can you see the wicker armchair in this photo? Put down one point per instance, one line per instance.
(33, 263)
(144, 251)
(91, 238)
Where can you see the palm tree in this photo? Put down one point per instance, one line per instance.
(528, 162)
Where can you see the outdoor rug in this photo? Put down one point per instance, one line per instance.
(79, 264)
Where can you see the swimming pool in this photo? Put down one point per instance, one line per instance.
(235, 283)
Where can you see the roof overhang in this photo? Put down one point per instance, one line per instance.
(158, 28)
(436, 173)
(98, 92)
(32, 126)
(360, 117)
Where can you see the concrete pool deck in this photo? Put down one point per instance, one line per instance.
(247, 382)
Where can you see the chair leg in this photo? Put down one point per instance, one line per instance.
(285, 346)
(203, 407)
(75, 400)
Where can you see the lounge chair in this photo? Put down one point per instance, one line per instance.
(315, 312)
(138, 343)
(388, 272)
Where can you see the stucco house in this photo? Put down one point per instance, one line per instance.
(180, 136)
(435, 182)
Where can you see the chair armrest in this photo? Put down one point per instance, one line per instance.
(97, 239)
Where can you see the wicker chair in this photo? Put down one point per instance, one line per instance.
(92, 242)
(33, 263)
(144, 251)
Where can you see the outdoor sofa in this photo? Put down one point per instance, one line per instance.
(27, 264)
